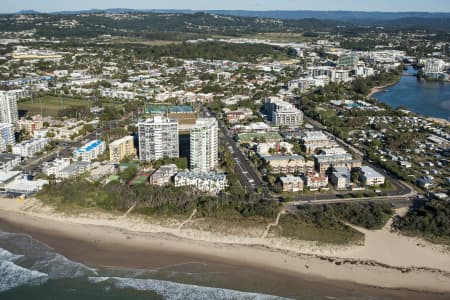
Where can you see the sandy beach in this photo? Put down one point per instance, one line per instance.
(402, 266)
(440, 121)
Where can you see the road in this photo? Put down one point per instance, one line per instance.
(247, 174)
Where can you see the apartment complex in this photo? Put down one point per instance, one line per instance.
(121, 148)
(8, 107)
(30, 126)
(314, 140)
(204, 145)
(282, 113)
(288, 164)
(55, 167)
(433, 65)
(158, 138)
(163, 175)
(371, 177)
(204, 182)
(89, 151)
(29, 148)
(291, 183)
(9, 161)
(6, 136)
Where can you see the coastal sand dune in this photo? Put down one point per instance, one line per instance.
(386, 259)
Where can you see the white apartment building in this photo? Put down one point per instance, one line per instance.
(433, 65)
(204, 154)
(314, 140)
(204, 182)
(282, 113)
(6, 136)
(8, 107)
(120, 94)
(29, 148)
(371, 177)
(158, 138)
(89, 151)
(9, 161)
(55, 167)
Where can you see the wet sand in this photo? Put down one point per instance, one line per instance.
(236, 267)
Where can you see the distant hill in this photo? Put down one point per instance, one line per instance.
(346, 16)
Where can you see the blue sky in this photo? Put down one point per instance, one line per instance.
(363, 5)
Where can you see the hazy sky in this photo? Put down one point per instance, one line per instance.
(365, 5)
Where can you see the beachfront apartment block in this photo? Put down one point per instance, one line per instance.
(54, 167)
(315, 140)
(291, 183)
(204, 145)
(370, 177)
(89, 151)
(158, 138)
(8, 107)
(30, 148)
(163, 175)
(204, 182)
(282, 113)
(121, 148)
(6, 136)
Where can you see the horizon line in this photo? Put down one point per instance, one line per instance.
(230, 10)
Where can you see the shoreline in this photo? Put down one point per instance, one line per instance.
(378, 89)
(93, 243)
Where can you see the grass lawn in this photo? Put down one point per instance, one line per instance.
(50, 105)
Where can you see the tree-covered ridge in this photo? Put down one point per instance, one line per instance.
(142, 24)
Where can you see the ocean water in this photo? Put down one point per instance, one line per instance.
(431, 99)
(30, 269)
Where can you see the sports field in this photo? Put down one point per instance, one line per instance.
(50, 105)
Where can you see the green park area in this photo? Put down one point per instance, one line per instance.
(51, 105)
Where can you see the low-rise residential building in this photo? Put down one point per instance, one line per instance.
(315, 140)
(285, 164)
(29, 126)
(9, 161)
(340, 178)
(89, 151)
(54, 167)
(371, 177)
(163, 175)
(270, 148)
(23, 186)
(75, 169)
(315, 181)
(325, 162)
(205, 182)
(291, 183)
(121, 148)
(30, 148)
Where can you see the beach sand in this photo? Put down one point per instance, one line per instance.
(440, 121)
(386, 259)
